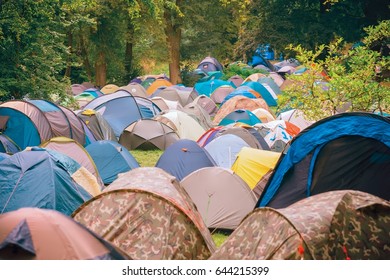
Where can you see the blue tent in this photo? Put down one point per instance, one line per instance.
(120, 109)
(208, 87)
(4, 156)
(261, 89)
(40, 178)
(242, 116)
(111, 158)
(345, 151)
(183, 157)
(224, 149)
(7, 145)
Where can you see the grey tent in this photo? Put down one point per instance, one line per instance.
(148, 134)
(222, 197)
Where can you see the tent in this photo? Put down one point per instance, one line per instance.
(224, 149)
(253, 164)
(29, 123)
(295, 117)
(266, 94)
(156, 84)
(278, 79)
(149, 216)
(135, 89)
(206, 103)
(208, 136)
(240, 92)
(43, 179)
(222, 198)
(219, 94)
(84, 98)
(77, 89)
(97, 125)
(75, 151)
(119, 109)
(43, 234)
(208, 87)
(263, 115)
(277, 134)
(239, 102)
(109, 88)
(245, 133)
(336, 225)
(3, 156)
(184, 157)
(7, 145)
(242, 116)
(111, 158)
(345, 151)
(210, 64)
(237, 80)
(148, 134)
(187, 126)
(178, 94)
(196, 111)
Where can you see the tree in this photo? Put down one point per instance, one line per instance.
(346, 80)
(32, 52)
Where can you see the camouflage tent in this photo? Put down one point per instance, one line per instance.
(328, 226)
(147, 214)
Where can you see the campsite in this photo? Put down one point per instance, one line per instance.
(144, 138)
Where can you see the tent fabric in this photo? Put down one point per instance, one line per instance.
(158, 83)
(7, 145)
(184, 157)
(148, 134)
(210, 64)
(77, 89)
(208, 87)
(206, 103)
(119, 109)
(278, 79)
(351, 146)
(263, 115)
(295, 117)
(222, 197)
(3, 156)
(277, 134)
(252, 164)
(209, 135)
(241, 92)
(32, 122)
(242, 116)
(111, 158)
(225, 148)
(169, 227)
(246, 135)
(135, 89)
(239, 102)
(109, 88)
(195, 110)
(75, 151)
(333, 225)
(187, 127)
(43, 234)
(40, 178)
(254, 77)
(97, 125)
(165, 104)
(219, 94)
(237, 80)
(267, 95)
(183, 95)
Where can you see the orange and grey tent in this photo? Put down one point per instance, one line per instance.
(158, 83)
(336, 225)
(77, 152)
(222, 197)
(148, 134)
(147, 214)
(43, 234)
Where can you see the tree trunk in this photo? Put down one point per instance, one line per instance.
(84, 55)
(101, 70)
(129, 51)
(69, 62)
(173, 37)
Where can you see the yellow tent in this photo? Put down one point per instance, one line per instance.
(110, 88)
(157, 84)
(253, 164)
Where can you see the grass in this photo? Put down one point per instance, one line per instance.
(149, 159)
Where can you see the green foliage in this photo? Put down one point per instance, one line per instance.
(32, 50)
(346, 80)
(240, 69)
